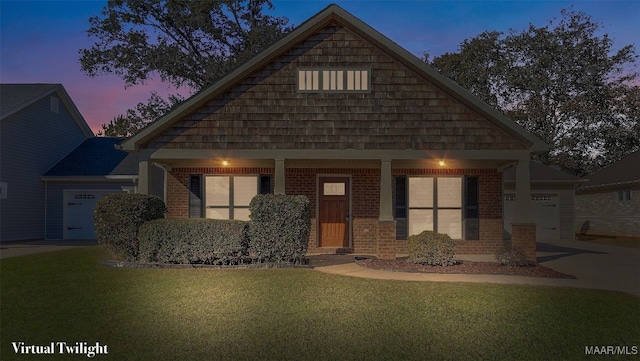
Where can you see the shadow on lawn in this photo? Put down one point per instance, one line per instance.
(561, 251)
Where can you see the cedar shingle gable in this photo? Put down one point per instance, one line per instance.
(402, 111)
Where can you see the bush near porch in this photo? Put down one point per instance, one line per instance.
(431, 248)
(202, 241)
(279, 228)
(277, 232)
(119, 216)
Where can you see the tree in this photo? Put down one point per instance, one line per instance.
(186, 43)
(562, 82)
(138, 117)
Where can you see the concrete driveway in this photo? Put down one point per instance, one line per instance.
(595, 265)
(22, 248)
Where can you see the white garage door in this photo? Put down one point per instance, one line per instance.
(546, 214)
(78, 212)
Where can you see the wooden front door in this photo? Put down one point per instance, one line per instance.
(333, 213)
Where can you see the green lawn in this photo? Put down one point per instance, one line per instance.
(296, 314)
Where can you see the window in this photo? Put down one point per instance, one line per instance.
(55, 105)
(224, 196)
(623, 195)
(333, 80)
(435, 204)
(228, 197)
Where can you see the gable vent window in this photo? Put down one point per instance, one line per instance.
(334, 80)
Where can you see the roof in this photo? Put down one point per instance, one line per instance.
(95, 157)
(15, 97)
(540, 173)
(624, 171)
(333, 14)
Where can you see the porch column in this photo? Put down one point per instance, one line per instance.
(279, 177)
(523, 229)
(144, 177)
(386, 230)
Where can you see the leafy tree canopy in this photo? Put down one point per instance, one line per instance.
(562, 81)
(184, 42)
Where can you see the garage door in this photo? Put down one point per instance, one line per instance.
(78, 212)
(546, 214)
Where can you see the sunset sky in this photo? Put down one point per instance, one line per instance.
(39, 40)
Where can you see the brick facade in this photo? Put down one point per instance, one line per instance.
(368, 234)
(523, 236)
(600, 213)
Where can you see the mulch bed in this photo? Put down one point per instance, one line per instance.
(464, 267)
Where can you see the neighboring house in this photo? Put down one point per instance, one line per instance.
(75, 184)
(552, 202)
(39, 125)
(381, 144)
(608, 204)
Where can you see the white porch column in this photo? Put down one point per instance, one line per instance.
(523, 193)
(278, 187)
(386, 206)
(144, 177)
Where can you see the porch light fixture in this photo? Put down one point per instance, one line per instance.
(441, 163)
(225, 163)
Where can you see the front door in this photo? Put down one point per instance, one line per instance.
(333, 213)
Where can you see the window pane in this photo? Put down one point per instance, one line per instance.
(449, 192)
(365, 80)
(420, 220)
(217, 191)
(302, 84)
(340, 79)
(357, 81)
(316, 79)
(450, 222)
(217, 213)
(241, 214)
(350, 79)
(325, 80)
(244, 189)
(420, 192)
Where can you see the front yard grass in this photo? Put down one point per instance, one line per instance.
(296, 314)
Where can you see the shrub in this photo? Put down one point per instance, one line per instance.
(117, 218)
(431, 248)
(186, 241)
(512, 256)
(279, 228)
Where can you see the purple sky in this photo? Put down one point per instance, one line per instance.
(39, 40)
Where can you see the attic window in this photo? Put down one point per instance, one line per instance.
(334, 80)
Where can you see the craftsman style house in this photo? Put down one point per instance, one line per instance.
(382, 145)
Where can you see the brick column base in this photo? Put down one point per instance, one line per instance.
(386, 240)
(523, 236)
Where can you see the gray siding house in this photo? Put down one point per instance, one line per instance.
(39, 125)
(75, 184)
(608, 204)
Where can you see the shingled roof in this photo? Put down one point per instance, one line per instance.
(95, 157)
(624, 171)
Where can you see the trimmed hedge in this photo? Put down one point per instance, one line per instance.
(189, 241)
(512, 256)
(431, 248)
(279, 228)
(119, 216)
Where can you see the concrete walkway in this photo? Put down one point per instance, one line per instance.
(595, 266)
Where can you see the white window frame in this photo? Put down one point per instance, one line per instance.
(231, 204)
(435, 208)
(333, 80)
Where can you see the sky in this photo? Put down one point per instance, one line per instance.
(40, 40)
